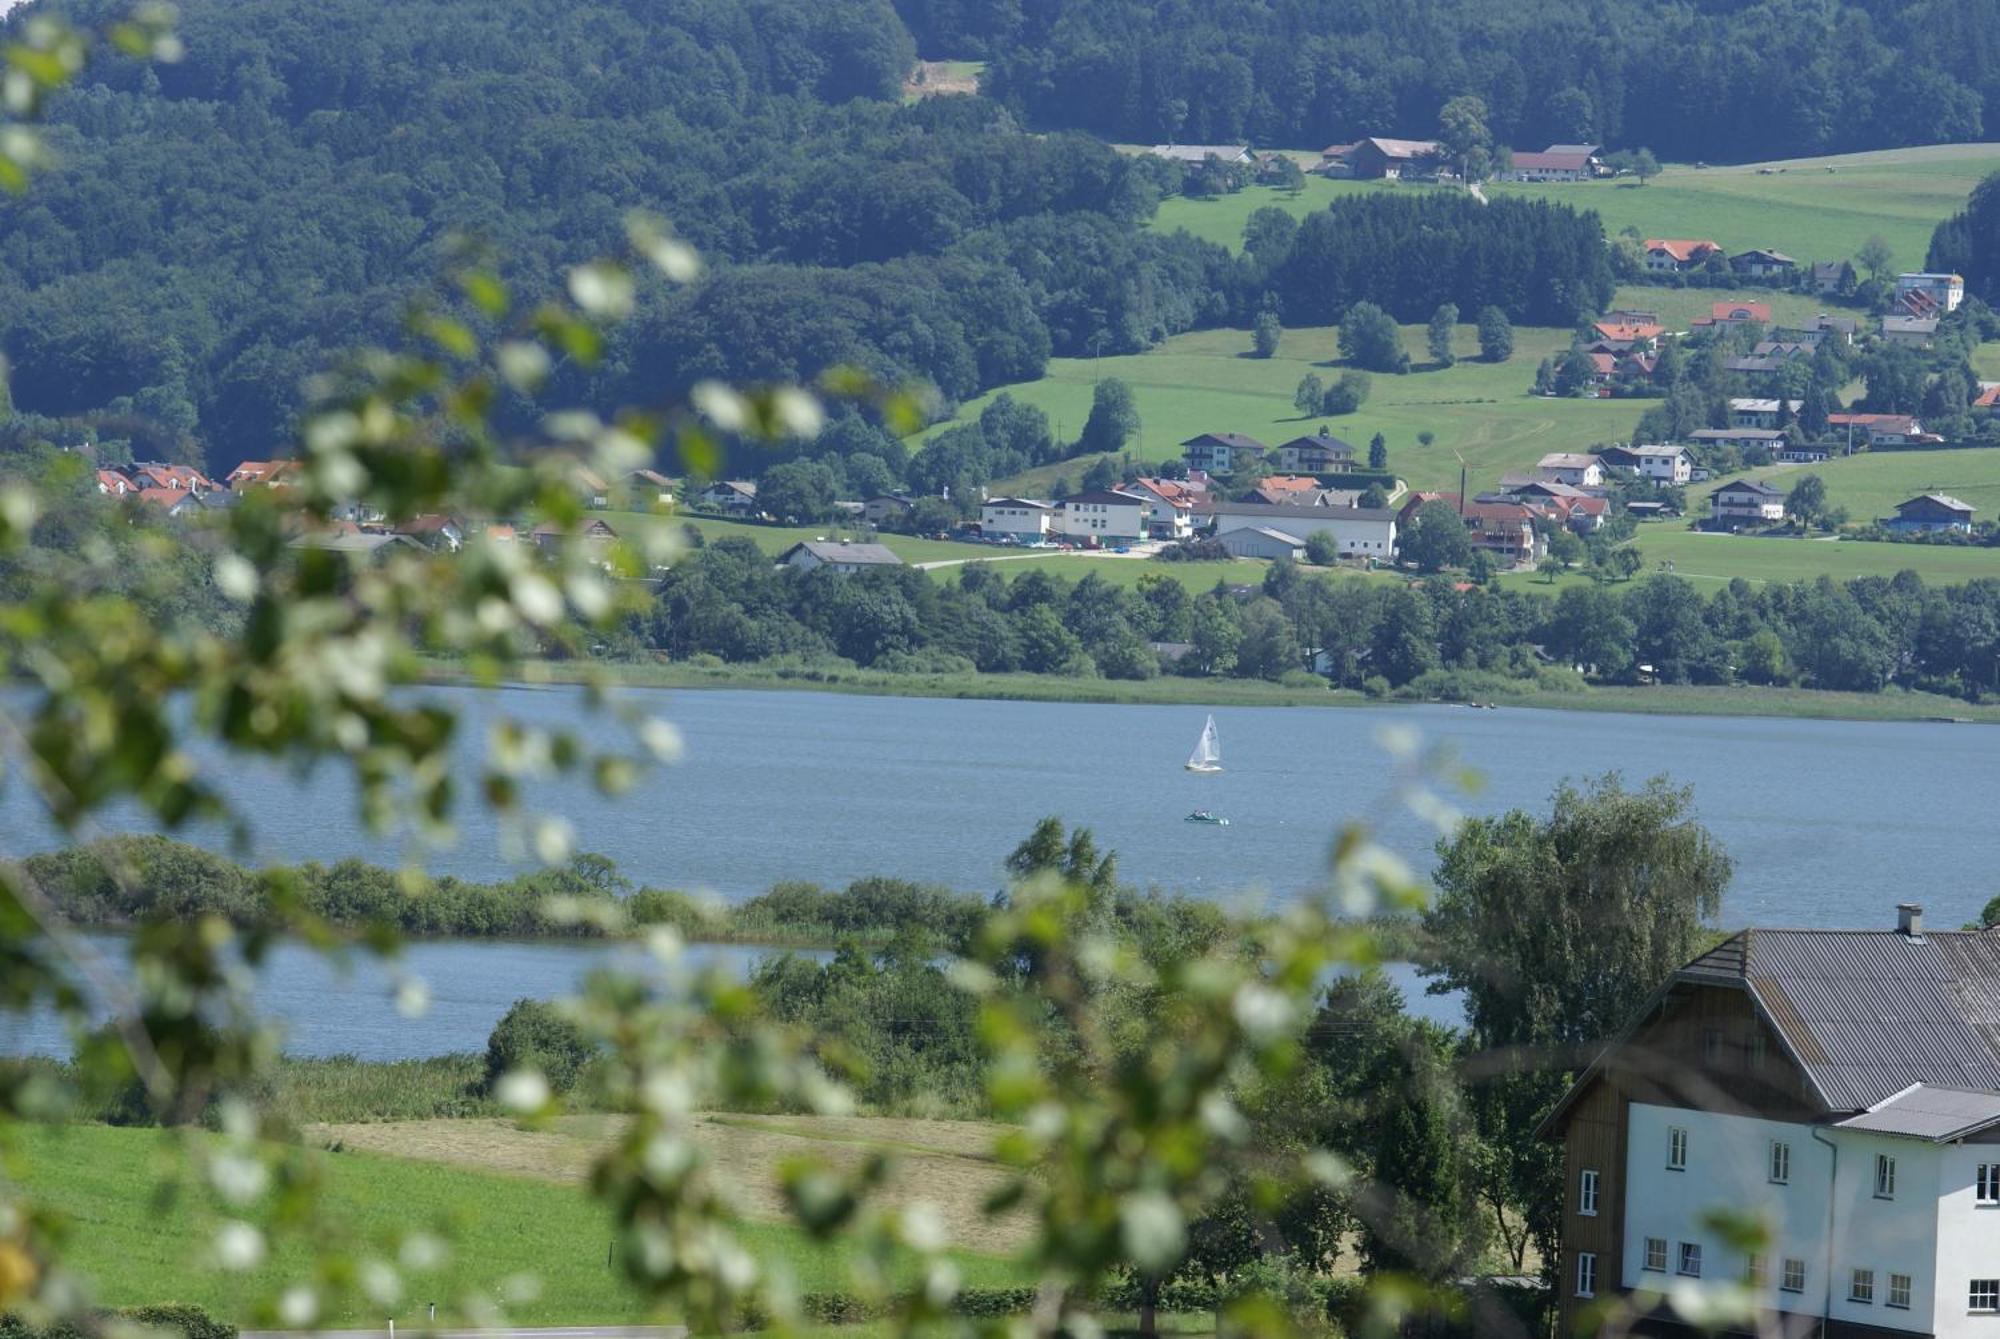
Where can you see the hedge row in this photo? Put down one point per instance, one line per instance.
(191, 1322)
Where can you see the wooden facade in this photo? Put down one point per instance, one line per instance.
(1704, 1047)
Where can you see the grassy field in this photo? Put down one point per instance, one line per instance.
(1714, 558)
(1870, 485)
(1204, 381)
(948, 1163)
(1805, 210)
(775, 539)
(138, 1246)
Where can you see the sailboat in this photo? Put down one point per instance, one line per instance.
(1207, 755)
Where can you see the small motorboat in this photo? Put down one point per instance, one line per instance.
(1203, 816)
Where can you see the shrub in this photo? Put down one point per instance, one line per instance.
(535, 1035)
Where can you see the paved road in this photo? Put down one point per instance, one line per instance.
(419, 1332)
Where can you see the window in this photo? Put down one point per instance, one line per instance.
(1656, 1254)
(1586, 1274)
(1756, 1271)
(1899, 1291)
(1988, 1191)
(1677, 1148)
(1985, 1295)
(1793, 1280)
(1885, 1177)
(1861, 1286)
(1691, 1259)
(1711, 1046)
(1586, 1193)
(1781, 1162)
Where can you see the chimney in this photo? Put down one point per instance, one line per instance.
(1910, 919)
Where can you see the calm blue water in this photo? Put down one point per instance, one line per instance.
(1830, 823)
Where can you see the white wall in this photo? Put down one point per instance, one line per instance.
(1968, 1240)
(1728, 1169)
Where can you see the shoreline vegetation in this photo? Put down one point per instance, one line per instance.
(573, 902)
(1654, 700)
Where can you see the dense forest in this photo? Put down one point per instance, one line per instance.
(1727, 83)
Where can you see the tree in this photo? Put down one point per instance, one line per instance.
(534, 1035)
(1375, 497)
(1114, 418)
(1288, 176)
(1552, 927)
(1310, 397)
(1101, 473)
(1463, 134)
(797, 491)
(1566, 547)
(1436, 538)
(1496, 335)
(1644, 165)
(1806, 503)
(1574, 373)
(1426, 437)
(1264, 334)
(1378, 452)
(1321, 550)
(1875, 256)
(1346, 394)
(1370, 338)
(1404, 642)
(1267, 648)
(1626, 562)
(1444, 322)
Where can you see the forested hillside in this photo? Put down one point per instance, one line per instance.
(1722, 82)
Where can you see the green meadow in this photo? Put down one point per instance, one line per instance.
(1809, 208)
(1718, 558)
(139, 1245)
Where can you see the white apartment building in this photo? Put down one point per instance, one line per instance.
(1024, 519)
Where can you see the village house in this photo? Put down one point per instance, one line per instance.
(1574, 468)
(1558, 162)
(1105, 516)
(1504, 531)
(1784, 349)
(1761, 372)
(1024, 520)
(1988, 397)
(372, 545)
(1661, 464)
(649, 488)
(442, 533)
(591, 487)
(1221, 452)
(839, 555)
(886, 509)
(113, 484)
(1316, 453)
(1909, 332)
(171, 478)
(1929, 294)
(1169, 506)
(1746, 502)
(1833, 276)
(737, 495)
(1358, 532)
(260, 474)
(1883, 429)
(1743, 439)
(1396, 159)
(1761, 263)
(1747, 412)
(1931, 511)
(1624, 336)
(1262, 541)
(1839, 1088)
(1676, 255)
(1730, 315)
(1801, 453)
(1842, 328)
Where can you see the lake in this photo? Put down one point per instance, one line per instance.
(1831, 823)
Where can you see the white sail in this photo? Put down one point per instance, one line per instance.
(1207, 755)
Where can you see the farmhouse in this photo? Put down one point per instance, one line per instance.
(1833, 276)
(1558, 162)
(1801, 453)
(1316, 453)
(1106, 516)
(842, 557)
(1396, 159)
(649, 488)
(1662, 464)
(1675, 255)
(1728, 315)
(1023, 519)
(730, 495)
(1746, 502)
(1221, 452)
(1570, 467)
(1624, 336)
(1840, 1087)
(886, 508)
(1169, 510)
(1746, 412)
(1761, 263)
(1931, 511)
(1884, 429)
(1740, 438)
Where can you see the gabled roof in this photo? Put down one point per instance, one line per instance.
(1587, 150)
(1909, 325)
(1682, 249)
(1269, 533)
(1560, 159)
(1107, 497)
(1319, 441)
(849, 555)
(1024, 502)
(1765, 254)
(1944, 500)
(1234, 440)
(1402, 148)
(1566, 460)
(1757, 486)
